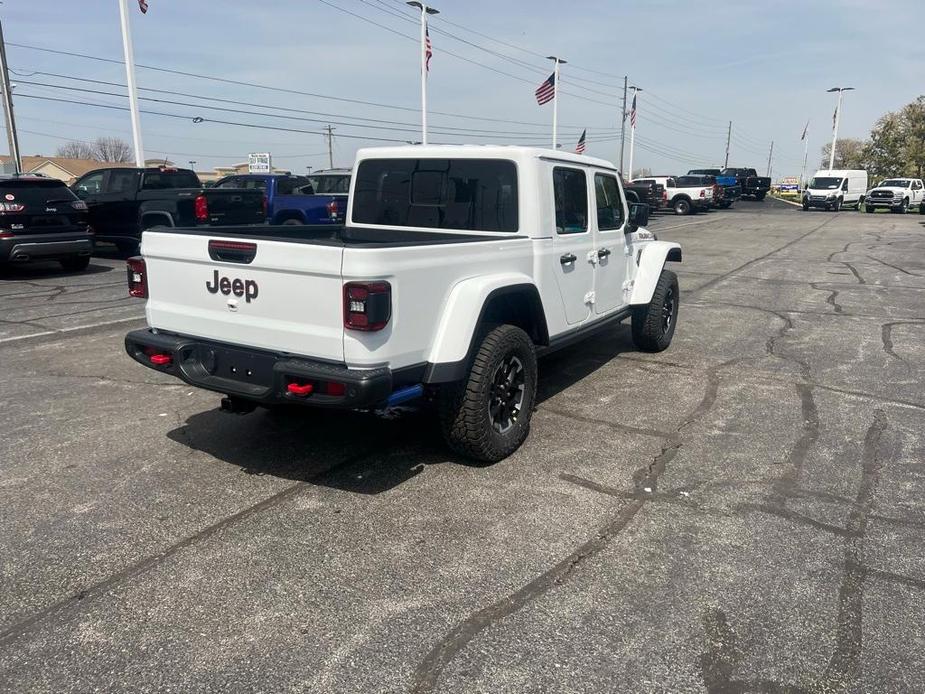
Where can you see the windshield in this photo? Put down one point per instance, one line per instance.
(895, 183)
(825, 183)
(328, 185)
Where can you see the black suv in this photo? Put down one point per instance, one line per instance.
(41, 219)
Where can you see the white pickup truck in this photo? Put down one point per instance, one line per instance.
(457, 267)
(897, 195)
(683, 194)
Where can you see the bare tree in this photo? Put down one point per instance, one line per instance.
(76, 150)
(113, 149)
(103, 149)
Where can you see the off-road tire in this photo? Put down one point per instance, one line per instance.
(682, 206)
(75, 263)
(869, 209)
(922, 208)
(836, 206)
(805, 207)
(464, 406)
(760, 196)
(650, 334)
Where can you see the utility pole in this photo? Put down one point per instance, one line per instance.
(555, 98)
(835, 121)
(623, 126)
(330, 137)
(130, 81)
(728, 140)
(770, 154)
(8, 107)
(425, 59)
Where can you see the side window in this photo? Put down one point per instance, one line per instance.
(284, 186)
(669, 183)
(570, 187)
(230, 183)
(121, 182)
(609, 206)
(844, 185)
(92, 184)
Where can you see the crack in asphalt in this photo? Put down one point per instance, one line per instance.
(895, 267)
(831, 298)
(430, 669)
(103, 586)
(886, 336)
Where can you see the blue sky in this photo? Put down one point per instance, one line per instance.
(765, 66)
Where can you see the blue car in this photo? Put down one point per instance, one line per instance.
(318, 198)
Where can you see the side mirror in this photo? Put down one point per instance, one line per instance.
(639, 217)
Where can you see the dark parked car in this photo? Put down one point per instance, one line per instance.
(651, 194)
(123, 202)
(750, 183)
(41, 219)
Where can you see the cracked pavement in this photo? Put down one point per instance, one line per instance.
(741, 513)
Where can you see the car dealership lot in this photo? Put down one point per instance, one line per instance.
(741, 512)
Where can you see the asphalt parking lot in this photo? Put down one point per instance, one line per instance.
(743, 512)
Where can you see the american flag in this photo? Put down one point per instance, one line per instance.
(633, 113)
(428, 48)
(143, 6)
(580, 147)
(546, 92)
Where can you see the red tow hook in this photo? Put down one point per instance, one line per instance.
(161, 359)
(300, 389)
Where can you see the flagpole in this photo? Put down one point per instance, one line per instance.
(633, 117)
(425, 10)
(555, 98)
(130, 80)
(805, 154)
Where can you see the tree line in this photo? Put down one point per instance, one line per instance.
(102, 149)
(896, 146)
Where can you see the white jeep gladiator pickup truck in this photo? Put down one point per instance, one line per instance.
(456, 268)
(684, 194)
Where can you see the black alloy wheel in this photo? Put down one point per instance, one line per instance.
(507, 394)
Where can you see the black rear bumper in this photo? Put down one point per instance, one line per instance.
(259, 376)
(55, 246)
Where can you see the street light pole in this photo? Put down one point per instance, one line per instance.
(837, 119)
(192, 164)
(425, 10)
(130, 81)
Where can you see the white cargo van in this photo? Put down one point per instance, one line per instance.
(831, 189)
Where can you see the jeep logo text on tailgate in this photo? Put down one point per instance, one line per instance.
(238, 287)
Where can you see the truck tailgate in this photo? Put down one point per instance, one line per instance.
(232, 206)
(287, 298)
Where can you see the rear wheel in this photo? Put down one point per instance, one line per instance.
(760, 196)
(291, 222)
(653, 324)
(75, 263)
(682, 206)
(487, 416)
(922, 208)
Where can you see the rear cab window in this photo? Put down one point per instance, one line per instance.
(570, 189)
(166, 180)
(458, 194)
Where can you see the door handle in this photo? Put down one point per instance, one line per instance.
(603, 253)
(568, 258)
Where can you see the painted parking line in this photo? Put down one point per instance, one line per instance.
(65, 331)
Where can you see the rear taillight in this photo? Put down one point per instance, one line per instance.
(6, 234)
(333, 209)
(367, 305)
(137, 277)
(703, 193)
(201, 207)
